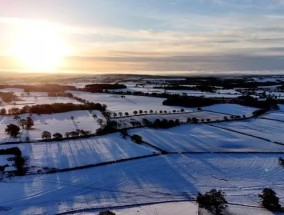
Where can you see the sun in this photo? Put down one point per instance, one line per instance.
(39, 47)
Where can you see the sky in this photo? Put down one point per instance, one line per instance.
(142, 35)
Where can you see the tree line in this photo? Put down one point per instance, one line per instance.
(101, 87)
(192, 101)
(40, 87)
(53, 108)
(8, 97)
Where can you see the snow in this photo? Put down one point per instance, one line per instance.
(204, 138)
(35, 94)
(268, 79)
(180, 208)
(269, 129)
(17, 91)
(80, 152)
(59, 122)
(276, 115)
(239, 164)
(233, 109)
(38, 100)
(117, 103)
(281, 107)
(165, 178)
(149, 88)
(34, 98)
(4, 159)
(228, 91)
(279, 95)
(10, 169)
(197, 93)
(239, 210)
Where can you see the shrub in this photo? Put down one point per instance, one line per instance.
(106, 213)
(84, 133)
(146, 122)
(12, 130)
(57, 136)
(137, 139)
(3, 111)
(105, 130)
(14, 150)
(270, 200)
(194, 120)
(29, 122)
(20, 164)
(46, 135)
(165, 123)
(214, 201)
(74, 134)
(259, 112)
(281, 161)
(124, 133)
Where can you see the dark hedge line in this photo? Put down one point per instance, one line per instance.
(40, 87)
(101, 87)
(14, 151)
(191, 101)
(8, 97)
(57, 108)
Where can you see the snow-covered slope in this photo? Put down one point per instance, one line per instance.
(169, 177)
(60, 122)
(80, 152)
(268, 129)
(204, 138)
(233, 109)
(129, 103)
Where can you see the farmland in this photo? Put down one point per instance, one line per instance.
(135, 155)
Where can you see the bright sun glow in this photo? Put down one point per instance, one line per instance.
(39, 47)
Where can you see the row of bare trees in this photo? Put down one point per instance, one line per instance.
(141, 112)
(46, 135)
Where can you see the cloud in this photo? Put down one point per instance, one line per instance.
(226, 40)
(180, 63)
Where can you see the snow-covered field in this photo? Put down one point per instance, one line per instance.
(269, 129)
(201, 157)
(276, 115)
(38, 100)
(281, 107)
(16, 91)
(240, 210)
(197, 93)
(80, 152)
(268, 79)
(34, 98)
(180, 208)
(204, 138)
(4, 159)
(233, 109)
(60, 122)
(156, 179)
(125, 122)
(117, 103)
(277, 94)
